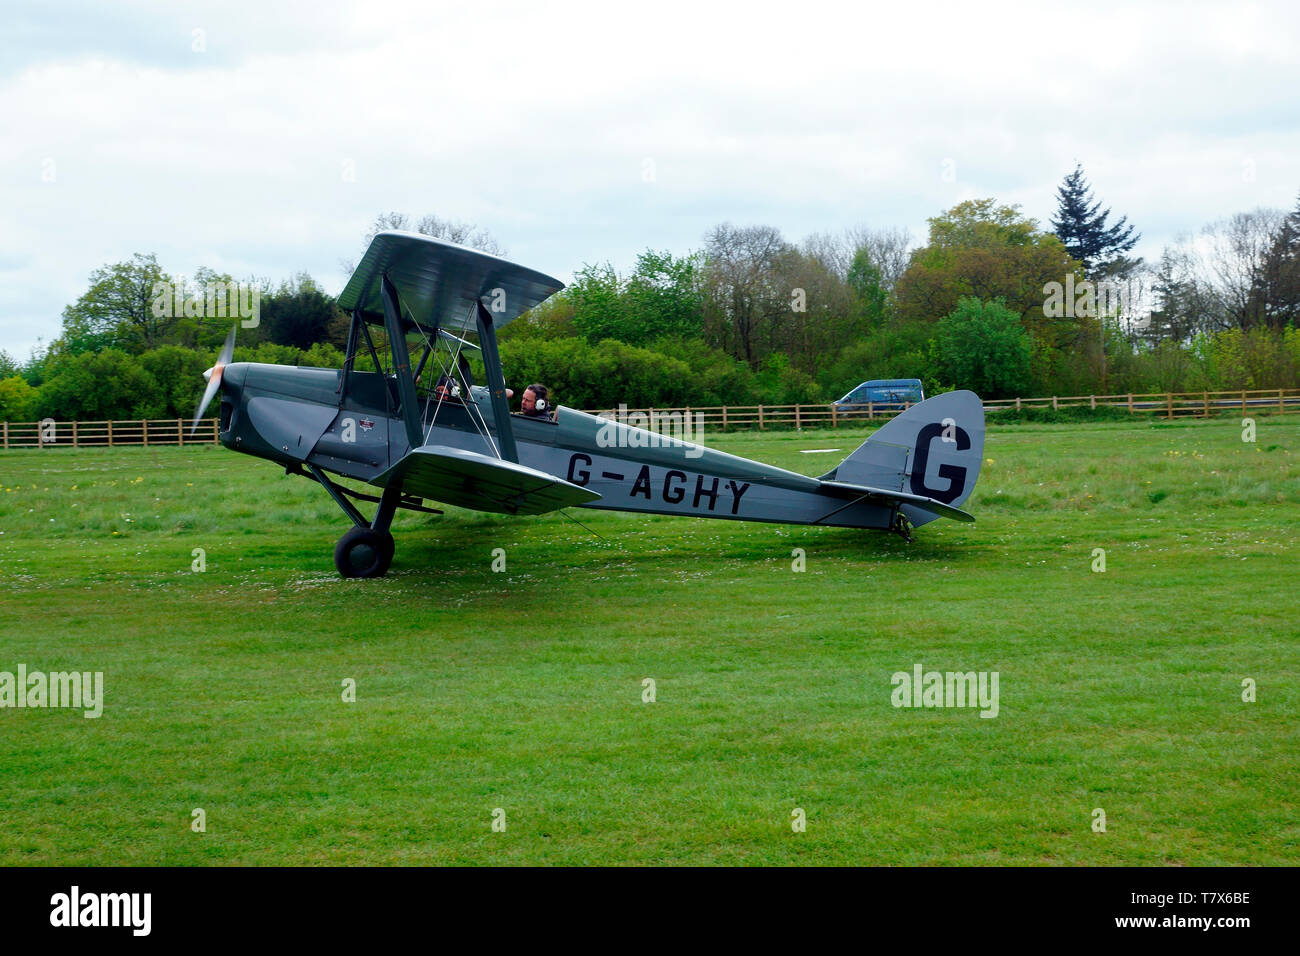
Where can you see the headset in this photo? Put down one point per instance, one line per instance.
(450, 383)
(539, 404)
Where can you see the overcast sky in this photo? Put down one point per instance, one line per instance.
(263, 138)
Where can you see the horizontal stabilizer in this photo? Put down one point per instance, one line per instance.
(844, 489)
(467, 479)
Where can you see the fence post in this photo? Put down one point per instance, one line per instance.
(180, 435)
(1207, 404)
(760, 418)
(74, 433)
(1169, 397)
(1055, 407)
(724, 418)
(110, 433)
(835, 419)
(871, 410)
(1243, 402)
(1130, 403)
(797, 425)
(1092, 402)
(6, 435)
(1281, 406)
(144, 431)
(1017, 403)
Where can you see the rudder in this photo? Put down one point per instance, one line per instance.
(933, 449)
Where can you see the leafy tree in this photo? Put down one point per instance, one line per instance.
(1080, 224)
(177, 373)
(17, 399)
(553, 319)
(866, 282)
(989, 251)
(109, 384)
(983, 346)
(981, 249)
(117, 309)
(203, 332)
(600, 310)
(661, 297)
(299, 314)
(665, 296)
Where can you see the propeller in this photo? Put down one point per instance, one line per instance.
(213, 376)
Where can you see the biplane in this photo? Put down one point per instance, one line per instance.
(379, 421)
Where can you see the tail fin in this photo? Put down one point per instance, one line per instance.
(933, 449)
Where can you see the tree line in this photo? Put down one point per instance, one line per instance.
(990, 301)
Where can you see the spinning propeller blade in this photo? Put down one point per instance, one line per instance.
(213, 376)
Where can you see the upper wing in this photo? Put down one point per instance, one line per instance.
(443, 280)
(470, 480)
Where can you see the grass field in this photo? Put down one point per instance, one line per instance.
(522, 690)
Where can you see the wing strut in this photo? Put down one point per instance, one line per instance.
(496, 383)
(402, 365)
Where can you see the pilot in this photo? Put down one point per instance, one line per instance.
(447, 389)
(536, 402)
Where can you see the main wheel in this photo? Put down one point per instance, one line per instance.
(364, 553)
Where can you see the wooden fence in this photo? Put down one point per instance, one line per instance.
(139, 431)
(1168, 404)
(681, 421)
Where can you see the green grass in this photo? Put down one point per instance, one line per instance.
(522, 690)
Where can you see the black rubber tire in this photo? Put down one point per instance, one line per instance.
(363, 553)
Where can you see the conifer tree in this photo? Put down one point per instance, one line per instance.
(1080, 224)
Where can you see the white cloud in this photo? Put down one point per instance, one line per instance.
(536, 122)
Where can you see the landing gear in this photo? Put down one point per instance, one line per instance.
(364, 553)
(902, 527)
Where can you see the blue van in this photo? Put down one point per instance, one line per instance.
(885, 394)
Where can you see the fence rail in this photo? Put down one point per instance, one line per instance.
(679, 421)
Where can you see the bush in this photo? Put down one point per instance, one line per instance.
(983, 346)
(17, 400)
(716, 378)
(898, 351)
(178, 374)
(97, 386)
